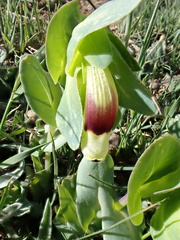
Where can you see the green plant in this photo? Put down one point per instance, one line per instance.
(86, 78)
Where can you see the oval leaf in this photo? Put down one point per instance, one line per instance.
(160, 165)
(92, 49)
(110, 216)
(100, 18)
(165, 222)
(68, 208)
(87, 187)
(127, 57)
(41, 93)
(132, 93)
(58, 36)
(69, 114)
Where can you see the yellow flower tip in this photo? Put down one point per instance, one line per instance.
(95, 147)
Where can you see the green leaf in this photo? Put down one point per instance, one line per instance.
(92, 49)
(37, 164)
(19, 157)
(127, 57)
(87, 187)
(11, 176)
(100, 18)
(174, 126)
(45, 228)
(132, 93)
(63, 232)
(70, 184)
(58, 36)
(4, 195)
(57, 143)
(165, 222)
(25, 207)
(156, 170)
(41, 93)
(9, 212)
(69, 116)
(18, 206)
(68, 208)
(36, 188)
(110, 216)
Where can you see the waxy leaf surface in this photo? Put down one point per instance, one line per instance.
(9, 212)
(69, 114)
(41, 93)
(156, 170)
(110, 216)
(11, 176)
(87, 187)
(68, 208)
(165, 223)
(132, 93)
(100, 18)
(58, 36)
(125, 54)
(95, 48)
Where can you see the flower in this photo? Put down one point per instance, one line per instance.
(101, 108)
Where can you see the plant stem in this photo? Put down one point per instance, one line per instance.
(128, 28)
(91, 4)
(50, 134)
(147, 38)
(122, 168)
(146, 235)
(16, 84)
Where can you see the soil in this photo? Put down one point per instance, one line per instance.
(87, 8)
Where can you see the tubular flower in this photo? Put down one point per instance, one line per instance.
(101, 108)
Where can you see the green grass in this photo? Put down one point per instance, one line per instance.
(152, 34)
(24, 23)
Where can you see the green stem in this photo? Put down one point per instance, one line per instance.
(135, 121)
(147, 38)
(146, 235)
(16, 84)
(121, 168)
(128, 28)
(171, 111)
(48, 161)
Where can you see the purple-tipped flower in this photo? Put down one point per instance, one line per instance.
(101, 108)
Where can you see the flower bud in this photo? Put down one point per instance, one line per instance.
(101, 108)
